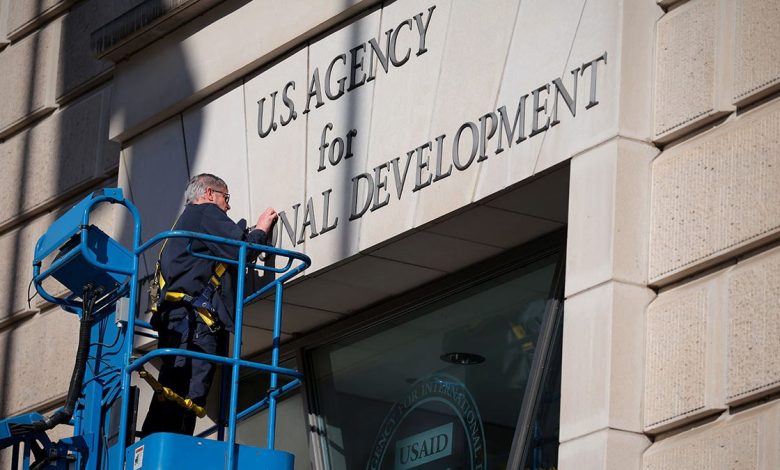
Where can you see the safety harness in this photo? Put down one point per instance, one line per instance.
(201, 303)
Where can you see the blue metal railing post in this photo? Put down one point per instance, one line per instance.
(275, 363)
(236, 357)
(15, 456)
(129, 336)
(223, 404)
(27, 450)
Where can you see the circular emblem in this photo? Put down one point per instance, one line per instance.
(435, 425)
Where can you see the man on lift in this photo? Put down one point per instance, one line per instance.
(182, 319)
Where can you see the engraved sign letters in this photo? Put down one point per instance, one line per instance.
(458, 149)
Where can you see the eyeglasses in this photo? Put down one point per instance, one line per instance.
(223, 193)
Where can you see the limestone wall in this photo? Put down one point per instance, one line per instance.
(712, 332)
(54, 147)
(673, 269)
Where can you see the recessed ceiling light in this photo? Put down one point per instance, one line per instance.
(461, 358)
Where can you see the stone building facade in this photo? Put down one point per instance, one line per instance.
(414, 147)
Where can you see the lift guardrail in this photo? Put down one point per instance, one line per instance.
(89, 257)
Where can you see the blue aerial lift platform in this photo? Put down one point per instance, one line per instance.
(102, 281)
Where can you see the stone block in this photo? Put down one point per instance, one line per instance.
(637, 64)
(584, 32)
(726, 178)
(82, 142)
(517, 78)
(756, 55)
(158, 81)
(693, 75)
(111, 150)
(29, 69)
(25, 16)
(403, 108)
(612, 48)
(685, 355)
(153, 174)
(59, 154)
(477, 40)
(352, 111)
(78, 67)
(520, 160)
(746, 440)
(216, 143)
(753, 328)
(17, 249)
(38, 351)
(732, 448)
(4, 23)
(603, 360)
(608, 449)
(609, 202)
(277, 162)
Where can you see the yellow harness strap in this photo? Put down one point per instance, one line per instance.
(158, 285)
(219, 270)
(158, 282)
(165, 393)
(207, 317)
(204, 313)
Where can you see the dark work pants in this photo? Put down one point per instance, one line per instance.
(190, 378)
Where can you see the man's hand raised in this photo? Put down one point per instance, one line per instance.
(266, 220)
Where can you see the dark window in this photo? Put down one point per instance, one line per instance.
(468, 378)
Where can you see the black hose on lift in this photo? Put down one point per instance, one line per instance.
(64, 414)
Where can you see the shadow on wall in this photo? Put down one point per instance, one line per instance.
(78, 159)
(156, 165)
(351, 117)
(10, 299)
(153, 169)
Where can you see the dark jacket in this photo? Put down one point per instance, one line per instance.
(186, 273)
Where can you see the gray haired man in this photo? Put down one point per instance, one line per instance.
(179, 323)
